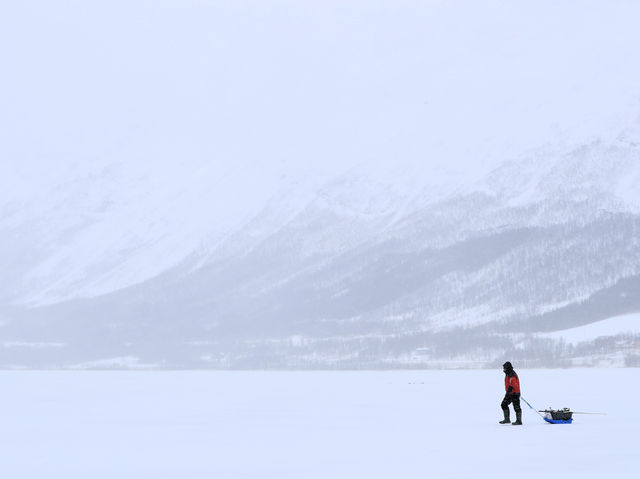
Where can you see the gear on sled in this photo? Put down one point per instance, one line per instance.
(558, 416)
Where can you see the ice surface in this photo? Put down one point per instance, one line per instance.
(313, 425)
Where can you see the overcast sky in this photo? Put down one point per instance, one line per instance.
(308, 87)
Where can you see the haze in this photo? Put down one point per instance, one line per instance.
(310, 89)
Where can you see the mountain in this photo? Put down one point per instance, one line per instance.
(364, 269)
(317, 184)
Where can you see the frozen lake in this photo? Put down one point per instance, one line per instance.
(314, 425)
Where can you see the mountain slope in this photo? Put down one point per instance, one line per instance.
(531, 247)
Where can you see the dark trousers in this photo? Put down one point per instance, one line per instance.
(511, 398)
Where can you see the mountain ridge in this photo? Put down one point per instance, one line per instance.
(480, 258)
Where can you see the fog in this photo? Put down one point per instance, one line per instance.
(309, 88)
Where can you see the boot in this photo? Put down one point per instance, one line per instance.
(506, 419)
(518, 421)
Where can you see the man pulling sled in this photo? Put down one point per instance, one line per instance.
(512, 388)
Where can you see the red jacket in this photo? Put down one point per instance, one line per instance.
(513, 382)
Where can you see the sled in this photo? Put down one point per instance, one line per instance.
(558, 416)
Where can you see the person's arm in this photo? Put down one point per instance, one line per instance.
(510, 389)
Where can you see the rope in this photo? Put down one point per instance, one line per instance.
(527, 402)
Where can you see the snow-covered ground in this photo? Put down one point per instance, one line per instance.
(624, 324)
(440, 424)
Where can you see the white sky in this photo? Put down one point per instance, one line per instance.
(307, 87)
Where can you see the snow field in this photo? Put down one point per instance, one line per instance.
(406, 424)
(623, 324)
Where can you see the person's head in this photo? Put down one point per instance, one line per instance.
(507, 367)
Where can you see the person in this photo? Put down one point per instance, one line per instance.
(512, 388)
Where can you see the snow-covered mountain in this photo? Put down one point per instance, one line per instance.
(356, 269)
(316, 185)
